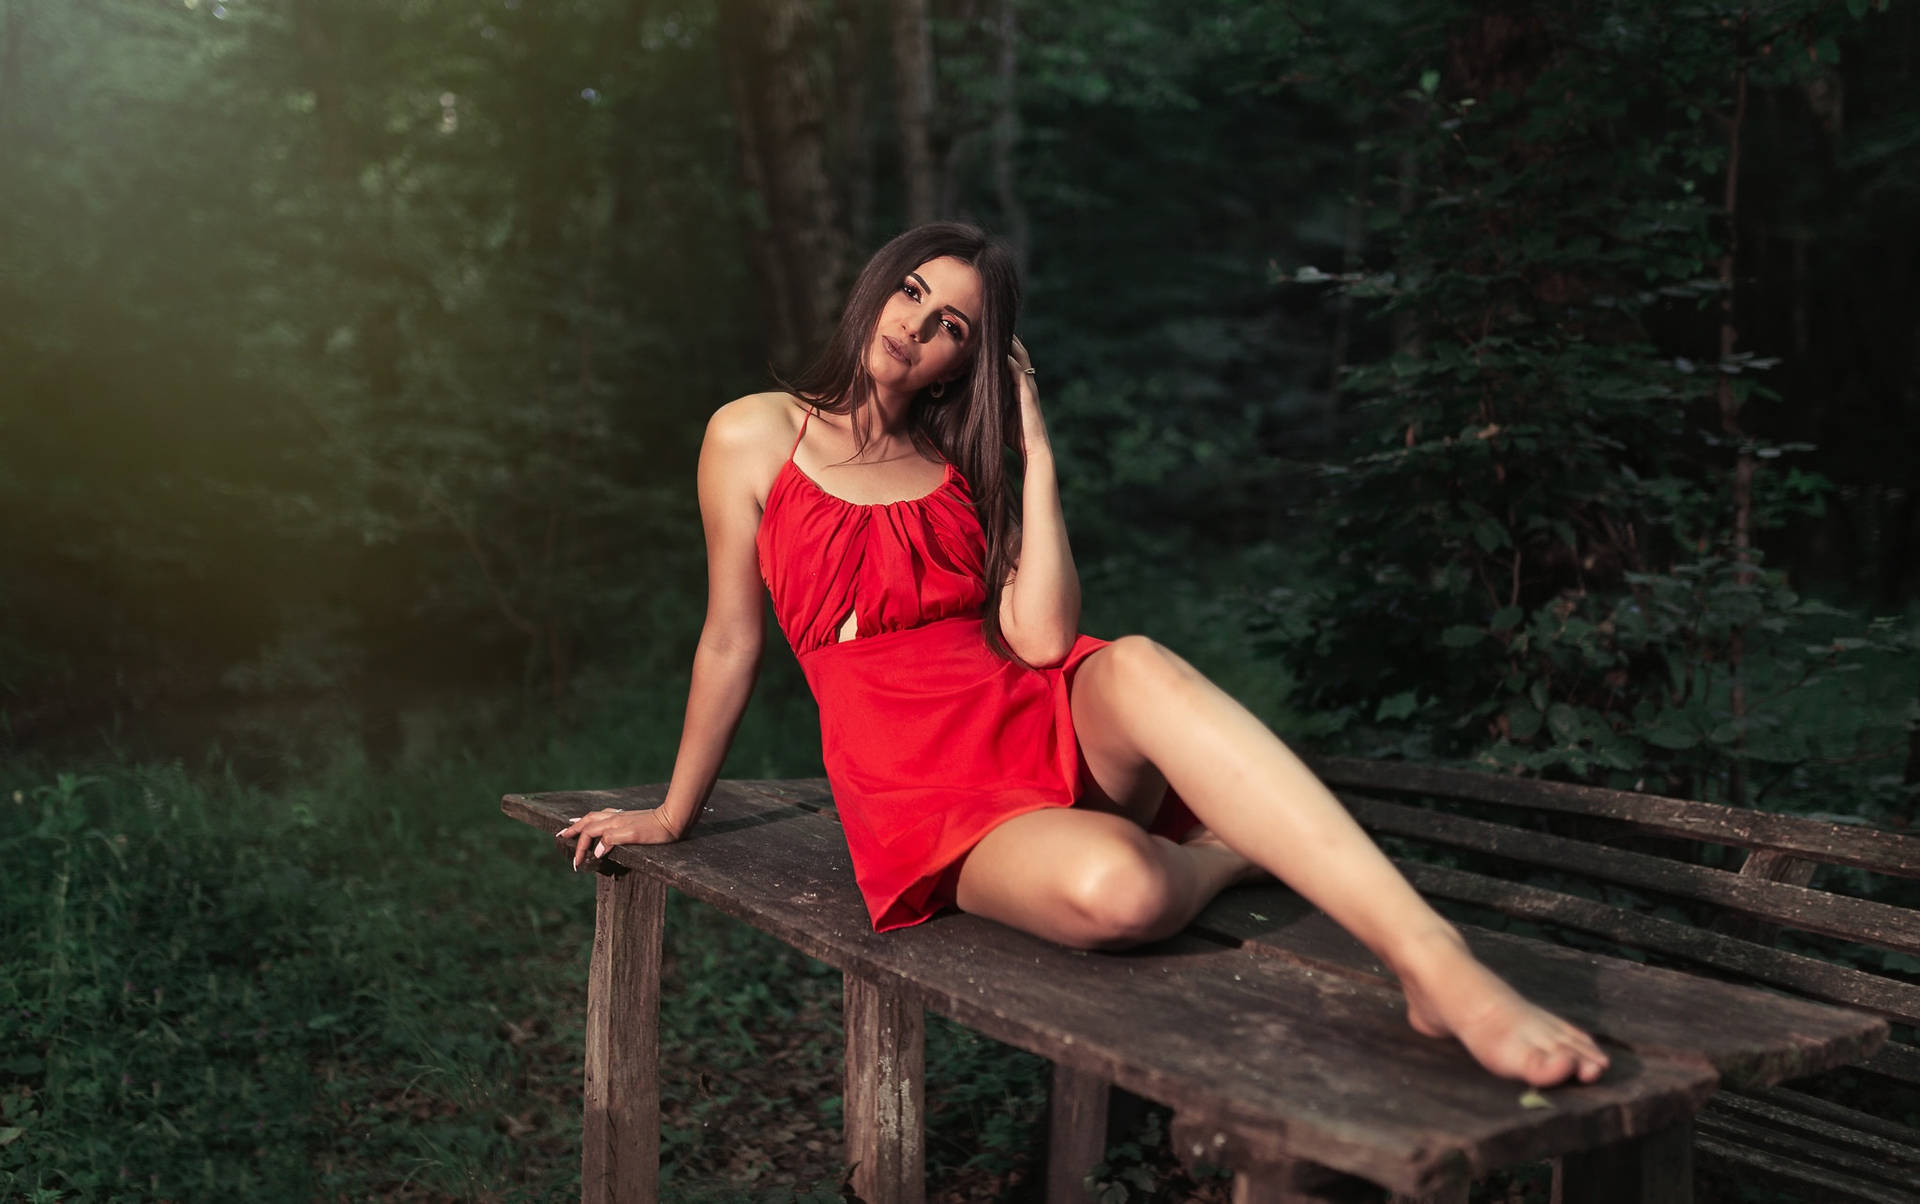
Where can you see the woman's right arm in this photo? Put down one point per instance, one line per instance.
(727, 658)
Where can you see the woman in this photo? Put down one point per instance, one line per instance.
(983, 754)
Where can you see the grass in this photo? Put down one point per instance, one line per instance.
(362, 983)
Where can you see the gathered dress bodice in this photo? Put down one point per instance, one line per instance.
(892, 565)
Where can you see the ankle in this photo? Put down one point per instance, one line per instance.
(1427, 949)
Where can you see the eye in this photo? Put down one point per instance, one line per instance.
(908, 288)
(954, 328)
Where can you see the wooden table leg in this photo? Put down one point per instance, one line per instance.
(1654, 1169)
(621, 1159)
(1301, 1183)
(1260, 1176)
(886, 1081)
(1076, 1131)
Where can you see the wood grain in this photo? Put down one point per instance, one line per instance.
(1834, 844)
(1714, 1149)
(1755, 1038)
(886, 1089)
(1809, 976)
(1284, 1051)
(620, 1159)
(1076, 1131)
(1304, 1063)
(1880, 924)
(1656, 1168)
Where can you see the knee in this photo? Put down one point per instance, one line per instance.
(1146, 663)
(1121, 896)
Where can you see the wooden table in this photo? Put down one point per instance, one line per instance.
(1279, 1043)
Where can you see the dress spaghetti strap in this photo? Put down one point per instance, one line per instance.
(800, 436)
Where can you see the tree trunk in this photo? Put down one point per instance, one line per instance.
(1898, 510)
(13, 36)
(913, 92)
(771, 48)
(1911, 778)
(316, 67)
(1353, 247)
(1404, 327)
(853, 47)
(1729, 404)
(1006, 136)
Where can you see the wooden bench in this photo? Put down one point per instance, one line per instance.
(1277, 1041)
(1754, 897)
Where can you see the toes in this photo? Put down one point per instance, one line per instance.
(1549, 1066)
(1568, 1060)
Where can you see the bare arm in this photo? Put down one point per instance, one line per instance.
(1040, 608)
(727, 658)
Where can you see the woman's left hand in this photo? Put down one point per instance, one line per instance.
(1033, 427)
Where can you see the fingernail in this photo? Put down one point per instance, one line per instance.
(599, 848)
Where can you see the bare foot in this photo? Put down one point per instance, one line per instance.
(1449, 993)
(1202, 837)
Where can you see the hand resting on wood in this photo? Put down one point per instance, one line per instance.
(615, 826)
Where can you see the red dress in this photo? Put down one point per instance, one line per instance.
(929, 740)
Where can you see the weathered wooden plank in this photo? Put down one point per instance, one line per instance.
(1769, 865)
(1076, 1131)
(1838, 1152)
(1808, 975)
(1896, 1061)
(1653, 1169)
(1901, 1142)
(1834, 844)
(1310, 1063)
(620, 1159)
(1716, 1151)
(1880, 924)
(885, 1114)
(1648, 1009)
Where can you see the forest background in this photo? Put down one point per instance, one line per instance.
(1529, 384)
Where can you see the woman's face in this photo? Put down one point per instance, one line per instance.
(926, 329)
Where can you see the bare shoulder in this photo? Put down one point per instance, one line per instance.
(745, 423)
(747, 439)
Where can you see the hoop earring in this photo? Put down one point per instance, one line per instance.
(938, 388)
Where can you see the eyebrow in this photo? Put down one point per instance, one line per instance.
(920, 280)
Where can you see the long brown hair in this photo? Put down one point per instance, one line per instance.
(968, 423)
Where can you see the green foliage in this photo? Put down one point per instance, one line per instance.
(285, 340)
(364, 984)
(1543, 555)
(1126, 1172)
(358, 340)
(167, 1005)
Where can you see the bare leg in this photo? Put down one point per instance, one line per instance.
(1091, 879)
(1135, 702)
